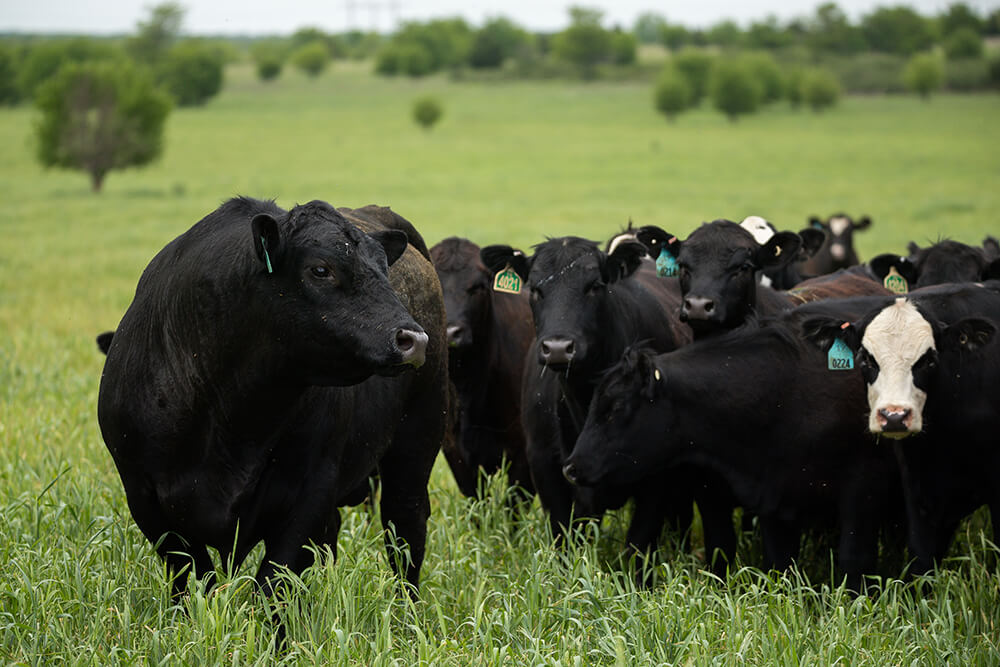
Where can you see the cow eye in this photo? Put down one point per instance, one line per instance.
(322, 272)
(595, 287)
(746, 266)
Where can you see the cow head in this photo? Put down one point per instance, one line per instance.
(625, 424)
(942, 262)
(717, 267)
(331, 307)
(569, 281)
(839, 229)
(466, 286)
(898, 350)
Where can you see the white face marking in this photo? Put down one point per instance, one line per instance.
(760, 228)
(837, 251)
(628, 236)
(765, 281)
(839, 225)
(896, 339)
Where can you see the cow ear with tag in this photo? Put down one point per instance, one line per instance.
(623, 260)
(824, 332)
(895, 272)
(266, 240)
(969, 334)
(656, 240)
(498, 258)
(393, 241)
(780, 250)
(815, 222)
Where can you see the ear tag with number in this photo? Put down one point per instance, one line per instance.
(507, 281)
(895, 282)
(840, 357)
(666, 264)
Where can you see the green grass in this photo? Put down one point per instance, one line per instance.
(508, 162)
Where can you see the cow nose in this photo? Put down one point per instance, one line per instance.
(894, 419)
(838, 251)
(697, 308)
(412, 345)
(556, 351)
(569, 472)
(456, 335)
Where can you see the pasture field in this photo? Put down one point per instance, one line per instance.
(509, 162)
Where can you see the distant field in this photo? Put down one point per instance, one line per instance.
(511, 163)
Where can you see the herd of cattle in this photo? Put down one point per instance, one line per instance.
(274, 364)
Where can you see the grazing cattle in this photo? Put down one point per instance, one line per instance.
(837, 252)
(271, 362)
(761, 409)
(931, 361)
(587, 307)
(788, 275)
(489, 333)
(943, 262)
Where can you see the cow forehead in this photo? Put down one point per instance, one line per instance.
(898, 336)
(760, 228)
(554, 269)
(839, 225)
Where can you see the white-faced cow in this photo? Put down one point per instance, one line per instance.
(931, 362)
(788, 275)
(837, 252)
(489, 333)
(271, 362)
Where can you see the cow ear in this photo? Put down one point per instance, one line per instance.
(623, 260)
(991, 247)
(266, 240)
(104, 341)
(655, 240)
(497, 257)
(904, 266)
(913, 249)
(812, 241)
(816, 223)
(780, 250)
(393, 241)
(821, 331)
(864, 223)
(969, 334)
(992, 270)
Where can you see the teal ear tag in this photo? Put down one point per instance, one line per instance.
(840, 357)
(267, 258)
(666, 264)
(895, 282)
(507, 281)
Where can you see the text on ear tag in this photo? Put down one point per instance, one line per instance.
(840, 357)
(895, 282)
(507, 281)
(666, 264)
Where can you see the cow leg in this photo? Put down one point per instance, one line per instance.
(643, 535)
(781, 541)
(522, 488)
(554, 492)
(405, 510)
(719, 533)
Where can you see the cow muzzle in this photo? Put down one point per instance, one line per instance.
(698, 308)
(895, 421)
(412, 346)
(458, 335)
(557, 351)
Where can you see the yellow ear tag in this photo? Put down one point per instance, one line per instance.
(895, 282)
(777, 251)
(507, 281)
(656, 374)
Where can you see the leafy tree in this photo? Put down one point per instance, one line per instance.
(269, 58)
(624, 47)
(734, 89)
(820, 89)
(46, 58)
(498, 40)
(192, 73)
(404, 58)
(311, 58)
(584, 43)
(829, 31)
(963, 43)
(427, 112)
(924, 74)
(768, 34)
(675, 36)
(696, 66)
(994, 71)
(649, 27)
(725, 34)
(445, 41)
(156, 35)
(100, 116)
(772, 81)
(9, 93)
(958, 16)
(897, 30)
(672, 93)
(335, 47)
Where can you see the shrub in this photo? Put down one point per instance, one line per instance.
(9, 94)
(404, 58)
(963, 43)
(672, 93)
(868, 72)
(192, 73)
(967, 74)
(495, 42)
(924, 74)
(820, 89)
(311, 58)
(427, 112)
(624, 48)
(772, 81)
(734, 89)
(100, 116)
(696, 66)
(269, 59)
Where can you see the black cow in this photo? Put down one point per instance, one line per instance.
(239, 398)
(931, 361)
(943, 262)
(760, 408)
(489, 333)
(837, 252)
(788, 275)
(587, 307)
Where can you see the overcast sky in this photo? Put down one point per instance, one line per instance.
(285, 16)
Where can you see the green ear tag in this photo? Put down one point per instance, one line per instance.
(507, 281)
(666, 264)
(840, 357)
(267, 258)
(895, 282)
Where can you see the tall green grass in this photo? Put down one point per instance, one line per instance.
(512, 163)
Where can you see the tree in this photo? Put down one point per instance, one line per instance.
(404, 58)
(192, 73)
(45, 59)
(426, 112)
(675, 36)
(820, 89)
(9, 93)
(624, 47)
(772, 82)
(498, 40)
(311, 58)
(958, 16)
(924, 74)
(725, 34)
(100, 116)
(649, 27)
(584, 43)
(768, 34)
(963, 43)
(696, 66)
(269, 58)
(830, 31)
(734, 89)
(897, 30)
(672, 93)
(155, 36)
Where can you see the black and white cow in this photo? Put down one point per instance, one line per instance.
(943, 262)
(270, 364)
(837, 252)
(788, 275)
(931, 362)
